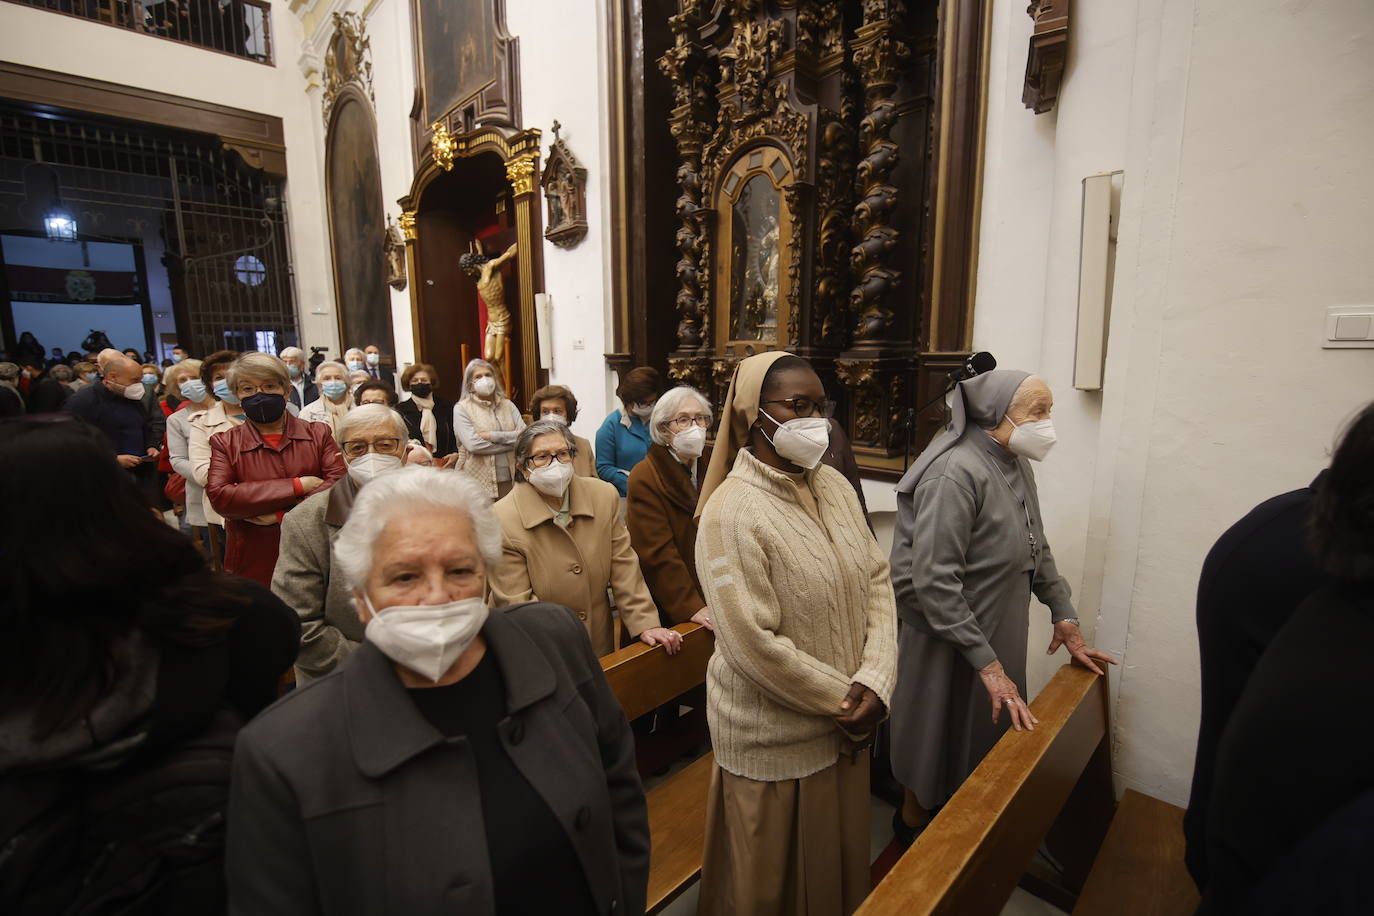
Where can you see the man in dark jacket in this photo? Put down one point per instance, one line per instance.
(47, 391)
(1252, 581)
(114, 405)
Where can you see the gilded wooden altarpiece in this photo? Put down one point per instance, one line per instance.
(828, 189)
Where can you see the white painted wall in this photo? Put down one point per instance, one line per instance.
(38, 38)
(1245, 129)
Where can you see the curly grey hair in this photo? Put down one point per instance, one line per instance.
(524, 443)
(406, 493)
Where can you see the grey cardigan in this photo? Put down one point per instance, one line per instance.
(346, 800)
(306, 580)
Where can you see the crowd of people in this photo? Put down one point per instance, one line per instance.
(429, 585)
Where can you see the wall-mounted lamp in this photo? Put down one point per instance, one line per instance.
(59, 223)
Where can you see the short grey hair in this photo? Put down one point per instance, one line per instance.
(371, 415)
(475, 364)
(261, 366)
(331, 364)
(667, 406)
(407, 493)
(352, 350)
(62, 372)
(9, 372)
(292, 351)
(524, 442)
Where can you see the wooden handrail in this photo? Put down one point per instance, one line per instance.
(643, 684)
(970, 858)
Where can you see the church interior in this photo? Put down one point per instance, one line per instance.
(1163, 208)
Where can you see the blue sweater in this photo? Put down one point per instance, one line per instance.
(619, 449)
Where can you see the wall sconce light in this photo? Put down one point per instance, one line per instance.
(59, 223)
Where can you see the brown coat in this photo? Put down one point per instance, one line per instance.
(659, 514)
(542, 562)
(584, 465)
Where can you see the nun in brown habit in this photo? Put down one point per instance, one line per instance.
(805, 654)
(968, 552)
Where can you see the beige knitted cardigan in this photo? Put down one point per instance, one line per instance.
(803, 608)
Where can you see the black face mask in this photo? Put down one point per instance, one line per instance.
(422, 390)
(263, 407)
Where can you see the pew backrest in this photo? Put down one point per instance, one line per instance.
(645, 677)
(971, 856)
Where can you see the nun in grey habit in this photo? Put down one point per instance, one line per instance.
(968, 552)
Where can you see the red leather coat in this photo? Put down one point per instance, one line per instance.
(249, 478)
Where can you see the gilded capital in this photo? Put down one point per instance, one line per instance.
(407, 224)
(520, 173)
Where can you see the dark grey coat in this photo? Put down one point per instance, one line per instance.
(346, 800)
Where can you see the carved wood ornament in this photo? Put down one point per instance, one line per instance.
(348, 62)
(565, 194)
(848, 111)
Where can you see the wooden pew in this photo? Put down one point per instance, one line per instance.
(1033, 785)
(643, 679)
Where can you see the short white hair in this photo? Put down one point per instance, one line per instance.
(668, 405)
(352, 350)
(289, 352)
(367, 415)
(407, 493)
(331, 364)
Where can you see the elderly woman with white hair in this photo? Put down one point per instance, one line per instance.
(487, 424)
(462, 761)
(264, 467)
(662, 504)
(334, 402)
(373, 441)
(563, 542)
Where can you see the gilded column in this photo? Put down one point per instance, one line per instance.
(411, 234)
(521, 170)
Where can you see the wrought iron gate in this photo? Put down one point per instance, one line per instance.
(221, 225)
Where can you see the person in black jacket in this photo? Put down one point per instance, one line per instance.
(1298, 746)
(48, 389)
(463, 760)
(1253, 579)
(120, 648)
(429, 417)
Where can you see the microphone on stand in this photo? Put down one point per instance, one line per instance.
(977, 364)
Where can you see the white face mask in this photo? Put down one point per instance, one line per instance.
(135, 392)
(690, 442)
(1032, 440)
(556, 417)
(373, 359)
(802, 440)
(364, 468)
(427, 639)
(552, 480)
(484, 386)
(643, 411)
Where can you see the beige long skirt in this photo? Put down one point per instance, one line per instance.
(799, 846)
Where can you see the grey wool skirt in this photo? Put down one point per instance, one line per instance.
(941, 723)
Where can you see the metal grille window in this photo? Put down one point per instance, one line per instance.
(211, 229)
(242, 28)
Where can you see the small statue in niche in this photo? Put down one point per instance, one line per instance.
(565, 192)
(394, 248)
(487, 272)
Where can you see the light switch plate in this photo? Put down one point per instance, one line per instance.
(1349, 327)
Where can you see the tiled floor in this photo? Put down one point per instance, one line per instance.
(880, 834)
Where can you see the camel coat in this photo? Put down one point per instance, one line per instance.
(574, 567)
(659, 514)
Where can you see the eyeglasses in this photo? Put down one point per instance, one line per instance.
(686, 421)
(806, 407)
(356, 448)
(246, 390)
(564, 455)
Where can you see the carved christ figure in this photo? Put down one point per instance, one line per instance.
(487, 272)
